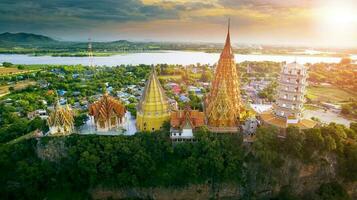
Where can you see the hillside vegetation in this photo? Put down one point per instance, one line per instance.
(314, 164)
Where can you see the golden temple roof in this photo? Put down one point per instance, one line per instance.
(153, 108)
(154, 95)
(223, 108)
(61, 116)
(106, 107)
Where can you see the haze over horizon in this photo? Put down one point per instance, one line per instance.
(315, 23)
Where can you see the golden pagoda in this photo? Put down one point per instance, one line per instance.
(223, 104)
(61, 120)
(153, 109)
(108, 113)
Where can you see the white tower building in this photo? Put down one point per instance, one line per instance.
(291, 91)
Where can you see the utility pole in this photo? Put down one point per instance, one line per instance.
(90, 53)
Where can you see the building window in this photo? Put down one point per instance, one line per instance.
(113, 121)
(101, 123)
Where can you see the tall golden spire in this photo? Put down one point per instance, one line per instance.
(227, 49)
(226, 78)
(153, 108)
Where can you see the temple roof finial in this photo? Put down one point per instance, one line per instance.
(227, 50)
(228, 39)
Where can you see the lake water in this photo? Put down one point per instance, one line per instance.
(169, 57)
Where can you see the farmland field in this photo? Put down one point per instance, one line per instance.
(18, 86)
(329, 94)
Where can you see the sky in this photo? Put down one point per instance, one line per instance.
(315, 23)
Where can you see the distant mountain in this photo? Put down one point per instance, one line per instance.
(29, 43)
(24, 38)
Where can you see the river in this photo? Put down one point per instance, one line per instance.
(169, 57)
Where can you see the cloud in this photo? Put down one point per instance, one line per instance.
(204, 20)
(48, 14)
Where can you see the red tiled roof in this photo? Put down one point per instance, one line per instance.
(178, 118)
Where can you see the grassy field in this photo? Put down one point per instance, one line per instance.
(170, 77)
(18, 86)
(6, 71)
(178, 77)
(331, 94)
(310, 107)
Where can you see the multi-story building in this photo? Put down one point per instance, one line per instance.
(290, 99)
(291, 90)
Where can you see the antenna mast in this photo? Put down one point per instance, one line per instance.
(90, 53)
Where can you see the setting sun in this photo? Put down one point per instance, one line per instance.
(339, 15)
(336, 22)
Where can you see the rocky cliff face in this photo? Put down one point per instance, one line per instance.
(303, 178)
(52, 150)
(198, 192)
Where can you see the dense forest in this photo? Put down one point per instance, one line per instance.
(313, 164)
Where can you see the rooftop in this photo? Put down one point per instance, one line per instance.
(279, 122)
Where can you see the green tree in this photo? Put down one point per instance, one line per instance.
(7, 64)
(332, 191)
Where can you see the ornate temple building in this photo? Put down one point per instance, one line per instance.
(184, 122)
(223, 104)
(290, 99)
(61, 120)
(153, 108)
(108, 114)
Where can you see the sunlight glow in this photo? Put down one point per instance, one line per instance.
(339, 15)
(337, 22)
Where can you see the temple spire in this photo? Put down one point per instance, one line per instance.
(223, 104)
(228, 31)
(227, 50)
(153, 108)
